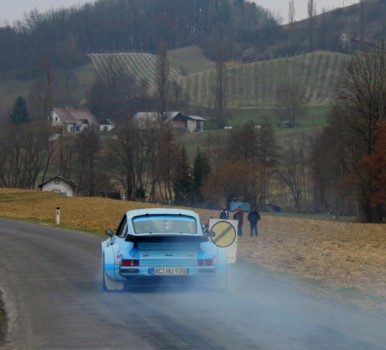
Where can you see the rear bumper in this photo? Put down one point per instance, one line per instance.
(138, 271)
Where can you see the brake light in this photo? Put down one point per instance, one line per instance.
(130, 262)
(206, 262)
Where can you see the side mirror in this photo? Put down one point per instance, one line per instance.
(210, 234)
(206, 232)
(109, 232)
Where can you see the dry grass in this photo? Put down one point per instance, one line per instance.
(348, 259)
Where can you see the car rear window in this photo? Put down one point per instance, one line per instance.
(165, 223)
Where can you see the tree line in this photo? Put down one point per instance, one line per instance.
(248, 31)
(66, 36)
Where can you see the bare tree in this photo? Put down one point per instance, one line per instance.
(311, 13)
(290, 92)
(120, 157)
(43, 93)
(291, 169)
(24, 152)
(112, 91)
(359, 105)
(165, 163)
(291, 17)
(362, 19)
(88, 146)
(220, 88)
(63, 155)
(141, 158)
(291, 11)
(255, 146)
(225, 184)
(162, 79)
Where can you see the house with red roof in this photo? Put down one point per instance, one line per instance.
(73, 120)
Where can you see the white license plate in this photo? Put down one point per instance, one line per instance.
(169, 271)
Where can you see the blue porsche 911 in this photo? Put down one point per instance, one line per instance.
(161, 244)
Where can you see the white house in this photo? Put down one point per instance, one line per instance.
(73, 120)
(60, 185)
(106, 125)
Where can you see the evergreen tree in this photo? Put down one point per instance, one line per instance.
(182, 183)
(19, 114)
(201, 170)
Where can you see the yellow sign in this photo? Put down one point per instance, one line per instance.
(223, 234)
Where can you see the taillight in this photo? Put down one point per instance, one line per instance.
(130, 262)
(206, 262)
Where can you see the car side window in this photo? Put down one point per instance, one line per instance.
(122, 228)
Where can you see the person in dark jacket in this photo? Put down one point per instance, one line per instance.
(224, 213)
(239, 216)
(253, 217)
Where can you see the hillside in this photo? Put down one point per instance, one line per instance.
(251, 88)
(191, 59)
(142, 66)
(256, 84)
(247, 85)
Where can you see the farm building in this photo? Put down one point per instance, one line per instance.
(73, 120)
(60, 185)
(178, 120)
(106, 125)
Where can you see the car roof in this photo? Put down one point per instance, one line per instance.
(157, 211)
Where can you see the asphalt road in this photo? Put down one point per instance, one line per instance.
(50, 285)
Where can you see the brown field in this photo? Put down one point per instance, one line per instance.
(333, 258)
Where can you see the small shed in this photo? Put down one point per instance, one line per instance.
(194, 123)
(60, 185)
(106, 125)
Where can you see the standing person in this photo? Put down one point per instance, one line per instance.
(224, 213)
(239, 216)
(253, 218)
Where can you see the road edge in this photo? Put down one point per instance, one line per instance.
(3, 321)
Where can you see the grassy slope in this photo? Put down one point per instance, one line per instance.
(255, 84)
(192, 59)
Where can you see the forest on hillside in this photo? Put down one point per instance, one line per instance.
(67, 35)
(248, 31)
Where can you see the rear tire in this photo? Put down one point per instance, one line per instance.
(109, 285)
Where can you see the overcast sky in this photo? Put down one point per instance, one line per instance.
(12, 10)
(280, 7)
